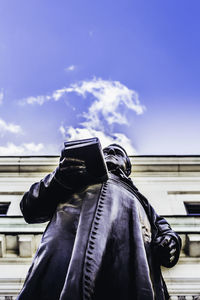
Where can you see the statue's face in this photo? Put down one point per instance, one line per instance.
(115, 157)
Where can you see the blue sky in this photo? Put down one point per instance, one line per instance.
(125, 71)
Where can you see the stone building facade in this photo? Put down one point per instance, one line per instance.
(171, 183)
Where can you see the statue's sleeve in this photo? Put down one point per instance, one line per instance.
(160, 226)
(40, 202)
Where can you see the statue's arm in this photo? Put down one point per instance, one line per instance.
(40, 202)
(166, 242)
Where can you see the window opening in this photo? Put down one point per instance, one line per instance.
(4, 208)
(192, 208)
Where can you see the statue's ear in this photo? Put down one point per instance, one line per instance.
(128, 166)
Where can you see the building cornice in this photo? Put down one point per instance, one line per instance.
(141, 165)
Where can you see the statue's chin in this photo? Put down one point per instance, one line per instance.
(111, 166)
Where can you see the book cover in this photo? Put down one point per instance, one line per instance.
(90, 151)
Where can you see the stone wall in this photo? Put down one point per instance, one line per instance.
(168, 183)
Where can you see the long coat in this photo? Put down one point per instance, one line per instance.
(98, 244)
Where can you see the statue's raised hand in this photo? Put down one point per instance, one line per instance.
(166, 250)
(72, 174)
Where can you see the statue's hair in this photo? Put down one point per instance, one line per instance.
(128, 162)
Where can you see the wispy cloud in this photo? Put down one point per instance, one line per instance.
(9, 127)
(23, 149)
(72, 133)
(91, 33)
(112, 98)
(56, 95)
(1, 96)
(112, 101)
(70, 68)
(35, 100)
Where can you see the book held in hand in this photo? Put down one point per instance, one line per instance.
(90, 151)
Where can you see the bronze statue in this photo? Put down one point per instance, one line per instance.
(104, 240)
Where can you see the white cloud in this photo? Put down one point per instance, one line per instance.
(9, 127)
(59, 94)
(70, 68)
(72, 133)
(41, 99)
(23, 149)
(112, 101)
(32, 100)
(1, 96)
(62, 130)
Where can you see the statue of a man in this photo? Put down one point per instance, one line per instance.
(104, 240)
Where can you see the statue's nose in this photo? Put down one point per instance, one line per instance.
(111, 151)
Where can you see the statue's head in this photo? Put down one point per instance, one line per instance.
(116, 157)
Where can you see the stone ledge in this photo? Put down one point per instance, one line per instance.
(184, 224)
(24, 245)
(20, 245)
(141, 164)
(16, 224)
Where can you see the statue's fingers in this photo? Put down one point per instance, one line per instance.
(72, 169)
(67, 161)
(75, 160)
(172, 258)
(168, 258)
(165, 241)
(71, 162)
(169, 253)
(172, 251)
(172, 244)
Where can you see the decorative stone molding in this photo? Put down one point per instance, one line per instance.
(26, 245)
(140, 164)
(20, 245)
(176, 297)
(193, 245)
(165, 165)
(182, 297)
(2, 245)
(184, 224)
